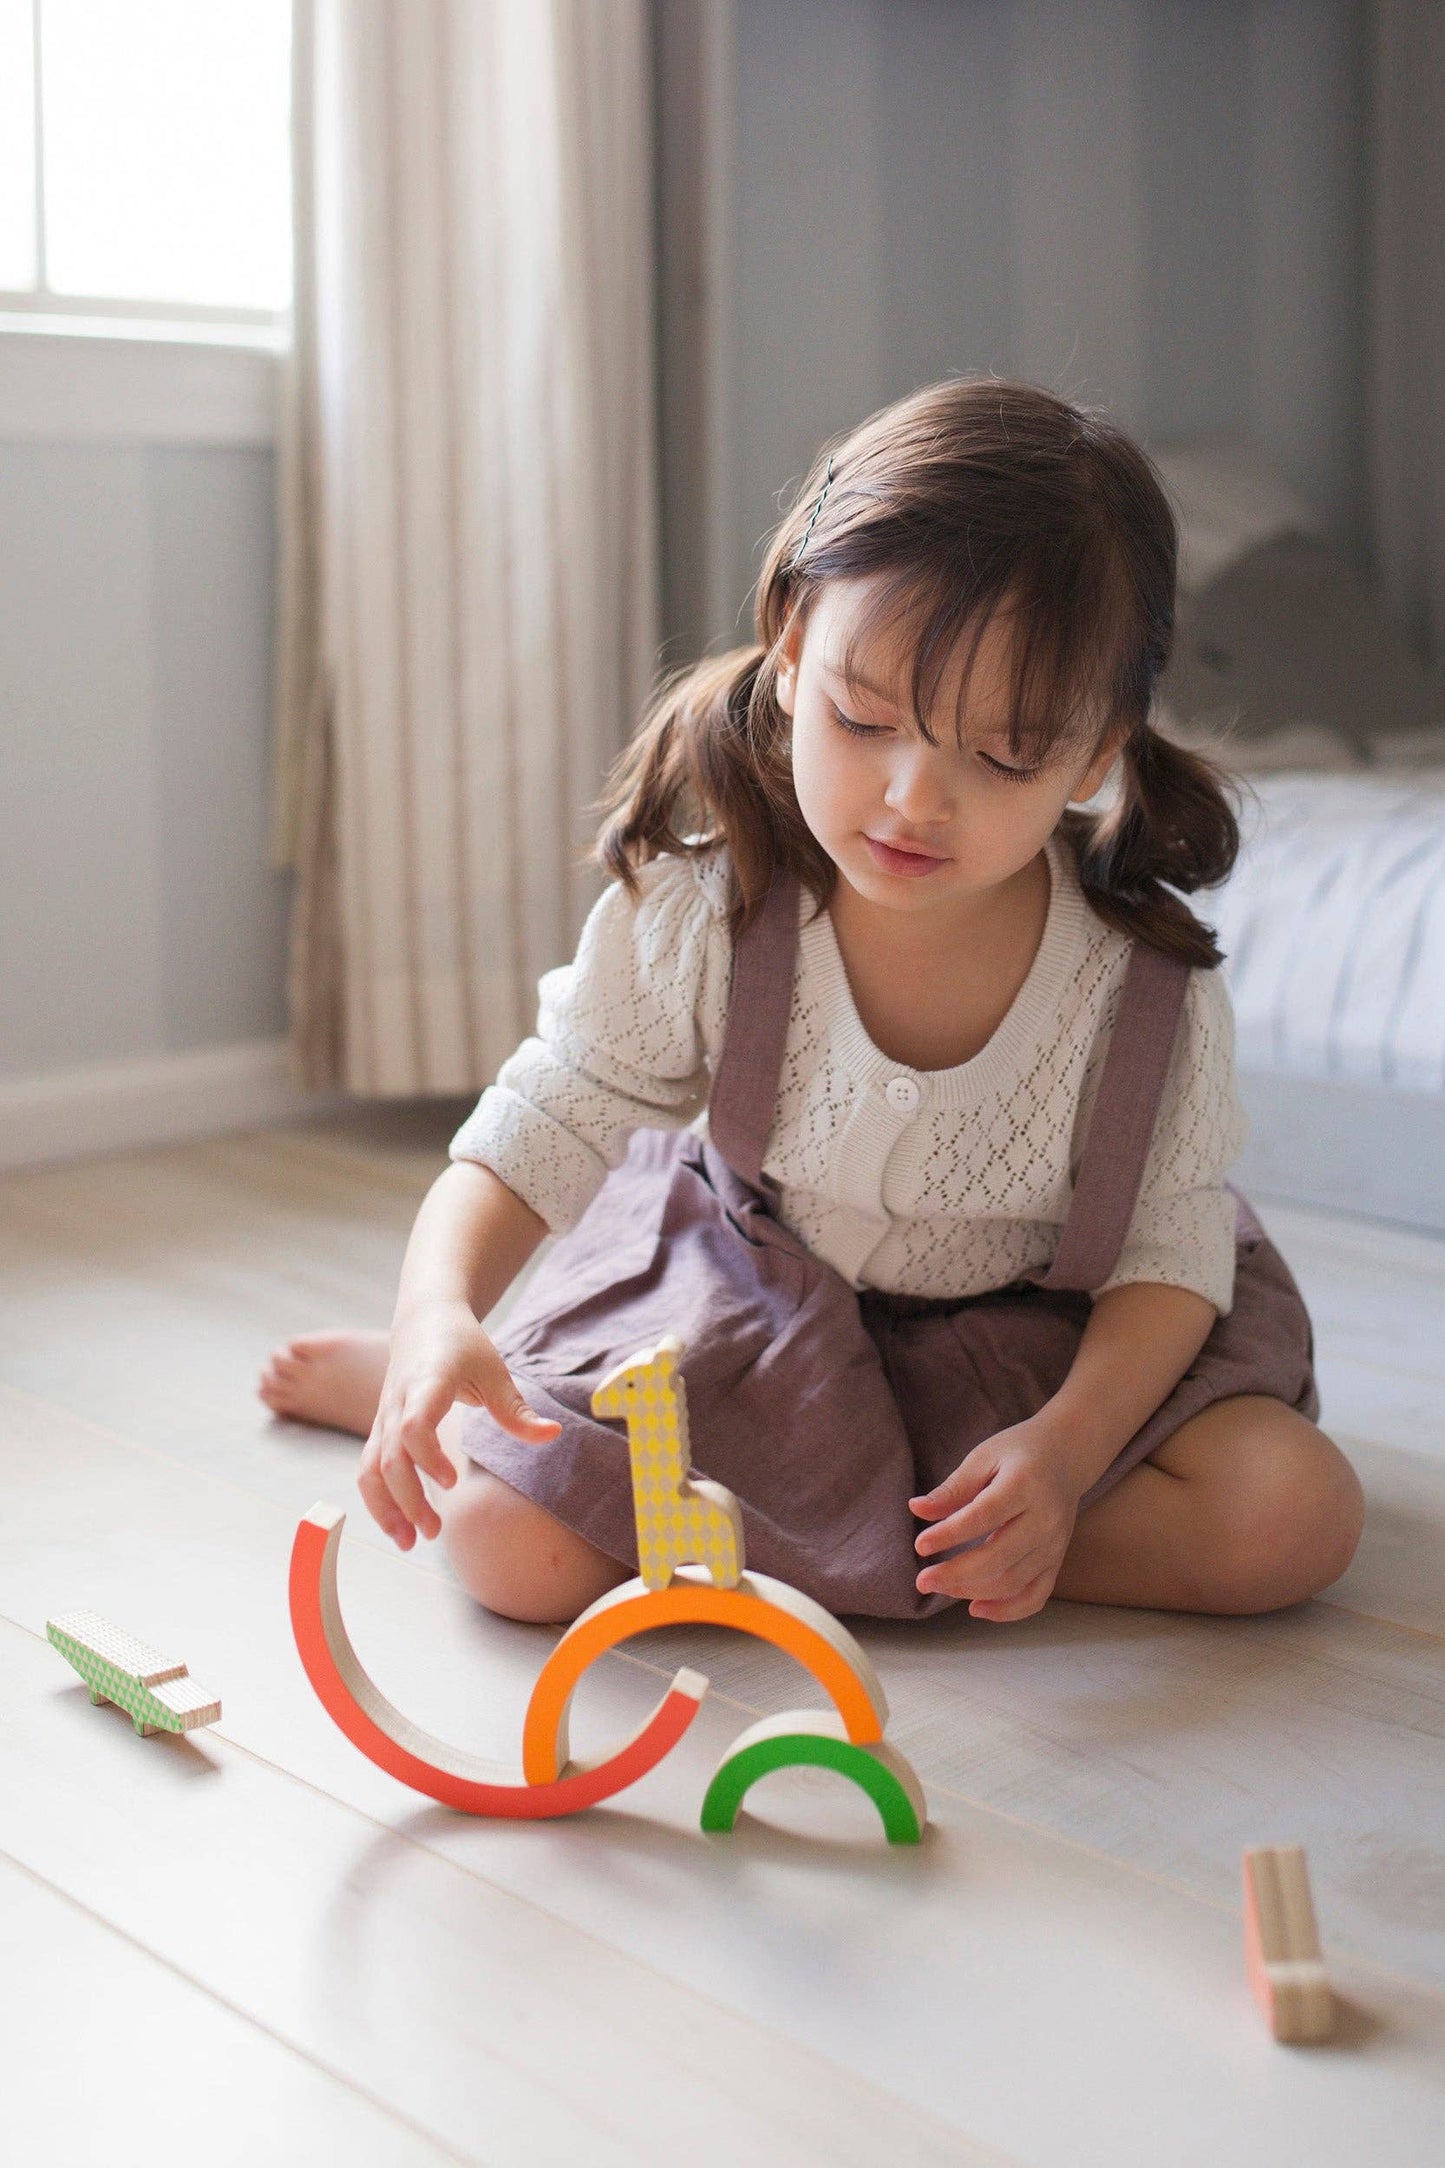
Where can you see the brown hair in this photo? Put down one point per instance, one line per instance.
(967, 495)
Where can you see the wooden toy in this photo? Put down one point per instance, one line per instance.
(679, 1521)
(690, 1543)
(1282, 1944)
(400, 1747)
(157, 1693)
(817, 1736)
(758, 1605)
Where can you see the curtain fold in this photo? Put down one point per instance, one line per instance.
(1407, 318)
(468, 617)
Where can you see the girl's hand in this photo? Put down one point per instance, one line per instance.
(1014, 1501)
(439, 1355)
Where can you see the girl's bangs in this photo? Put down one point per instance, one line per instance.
(1052, 707)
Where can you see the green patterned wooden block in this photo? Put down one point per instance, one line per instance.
(156, 1693)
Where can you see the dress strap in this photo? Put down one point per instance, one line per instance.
(742, 1104)
(1122, 1121)
(743, 1101)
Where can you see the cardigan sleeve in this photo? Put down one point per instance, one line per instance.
(1182, 1230)
(622, 1043)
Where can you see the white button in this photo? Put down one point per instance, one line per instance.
(902, 1095)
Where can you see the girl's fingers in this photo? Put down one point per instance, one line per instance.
(500, 1397)
(383, 1508)
(404, 1484)
(979, 1574)
(983, 1516)
(1009, 1577)
(967, 1480)
(998, 1567)
(417, 1431)
(1030, 1599)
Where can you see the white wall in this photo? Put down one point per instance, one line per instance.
(1155, 205)
(135, 641)
(142, 929)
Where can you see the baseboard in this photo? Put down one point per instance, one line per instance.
(117, 1106)
(1369, 1149)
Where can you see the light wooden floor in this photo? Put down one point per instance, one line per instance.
(251, 1944)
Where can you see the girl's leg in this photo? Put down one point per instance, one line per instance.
(1247, 1507)
(509, 1552)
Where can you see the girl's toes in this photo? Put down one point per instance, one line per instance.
(279, 1382)
(311, 1347)
(330, 1378)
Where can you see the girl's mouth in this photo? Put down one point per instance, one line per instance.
(895, 861)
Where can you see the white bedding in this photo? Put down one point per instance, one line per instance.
(1333, 926)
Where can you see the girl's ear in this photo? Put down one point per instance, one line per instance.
(1093, 776)
(789, 650)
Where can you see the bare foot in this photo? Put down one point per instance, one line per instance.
(332, 1378)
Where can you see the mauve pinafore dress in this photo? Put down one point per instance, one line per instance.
(823, 1408)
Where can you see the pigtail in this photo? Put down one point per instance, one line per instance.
(1172, 823)
(707, 765)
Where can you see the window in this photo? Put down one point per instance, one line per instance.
(145, 162)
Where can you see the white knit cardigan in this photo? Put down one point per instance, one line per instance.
(921, 1181)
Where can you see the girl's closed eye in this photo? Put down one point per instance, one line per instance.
(995, 767)
(1014, 775)
(858, 730)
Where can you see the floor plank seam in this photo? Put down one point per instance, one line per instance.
(1393, 1372)
(247, 2017)
(1435, 1693)
(45, 1406)
(1373, 1618)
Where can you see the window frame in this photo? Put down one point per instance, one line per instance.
(102, 368)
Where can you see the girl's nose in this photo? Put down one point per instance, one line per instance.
(916, 790)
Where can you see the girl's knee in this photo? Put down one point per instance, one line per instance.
(1297, 1512)
(517, 1558)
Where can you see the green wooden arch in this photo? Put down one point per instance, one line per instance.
(817, 1737)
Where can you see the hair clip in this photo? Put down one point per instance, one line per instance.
(812, 516)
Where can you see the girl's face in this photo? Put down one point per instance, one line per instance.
(908, 824)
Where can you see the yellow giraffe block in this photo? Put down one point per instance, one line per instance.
(680, 1521)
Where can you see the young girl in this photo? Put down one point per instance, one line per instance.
(899, 1086)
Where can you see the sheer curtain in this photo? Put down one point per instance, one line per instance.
(468, 585)
(1407, 317)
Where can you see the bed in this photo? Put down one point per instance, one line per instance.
(1288, 670)
(1333, 925)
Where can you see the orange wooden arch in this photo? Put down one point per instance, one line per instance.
(428, 1765)
(758, 1605)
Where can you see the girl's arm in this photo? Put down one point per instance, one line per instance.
(620, 1043)
(471, 1238)
(1137, 1345)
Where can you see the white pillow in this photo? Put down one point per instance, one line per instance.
(1227, 499)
